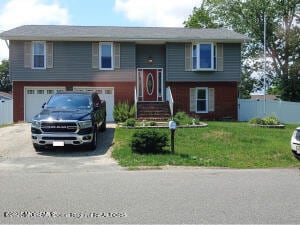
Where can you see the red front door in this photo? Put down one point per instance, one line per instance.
(150, 85)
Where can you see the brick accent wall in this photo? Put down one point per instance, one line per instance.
(123, 91)
(226, 99)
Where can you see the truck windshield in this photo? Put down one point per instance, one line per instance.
(70, 101)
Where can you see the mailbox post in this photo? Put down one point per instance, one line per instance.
(172, 127)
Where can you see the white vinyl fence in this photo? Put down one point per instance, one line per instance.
(6, 112)
(286, 112)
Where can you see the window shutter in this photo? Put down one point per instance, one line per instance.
(220, 60)
(27, 54)
(192, 99)
(211, 99)
(117, 55)
(49, 52)
(95, 55)
(188, 56)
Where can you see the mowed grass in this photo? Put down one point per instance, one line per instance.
(221, 144)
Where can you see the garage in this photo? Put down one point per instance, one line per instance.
(35, 97)
(105, 93)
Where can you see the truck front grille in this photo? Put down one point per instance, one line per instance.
(59, 138)
(59, 127)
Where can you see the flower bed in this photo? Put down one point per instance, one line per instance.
(266, 122)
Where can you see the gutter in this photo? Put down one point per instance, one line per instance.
(120, 39)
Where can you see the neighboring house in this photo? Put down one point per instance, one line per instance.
(200, 68)
(4, 96)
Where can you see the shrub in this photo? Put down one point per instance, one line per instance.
(147, 141)
(271, 120)
(182, 118)
(153, 123)
(123, 111)
(130, 122)
(256, 121)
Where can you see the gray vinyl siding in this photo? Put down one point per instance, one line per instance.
(175, 70)
(72, 61)
(157, 52)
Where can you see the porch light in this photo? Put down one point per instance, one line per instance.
(150, 60)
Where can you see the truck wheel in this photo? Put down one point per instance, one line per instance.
(38, 148)
(93, 144)
(103, 126)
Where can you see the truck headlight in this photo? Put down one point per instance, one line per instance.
(36, 124)
(85, 124)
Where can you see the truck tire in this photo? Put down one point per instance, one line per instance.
(38, 148)
(103, 125)
(93, 144)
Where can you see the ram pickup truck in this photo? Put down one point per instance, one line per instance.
(69, 118)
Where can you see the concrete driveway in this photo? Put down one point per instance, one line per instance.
(17, 152)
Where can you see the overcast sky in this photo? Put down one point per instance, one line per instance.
(167, 13)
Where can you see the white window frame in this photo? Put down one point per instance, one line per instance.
(213, 55)
(206, 99)
(45, 54)
(111, 52)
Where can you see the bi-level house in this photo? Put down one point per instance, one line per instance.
(192, 70)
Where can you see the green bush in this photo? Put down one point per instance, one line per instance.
(130, 122)
(147, 141)
(256, 121)
(123, 111)
(271, 120)
(152, 123)
(181, 118)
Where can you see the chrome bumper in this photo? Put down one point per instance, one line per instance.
(66, 138)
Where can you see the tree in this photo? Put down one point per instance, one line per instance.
(201, 18)
(283, 35)
(247, 84)
(290, 87)
(5, 83)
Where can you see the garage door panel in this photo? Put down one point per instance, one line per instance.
(35, 97)
(105, 93)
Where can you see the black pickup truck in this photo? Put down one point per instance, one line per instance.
(69, 118)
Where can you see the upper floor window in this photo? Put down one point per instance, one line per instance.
(39, 55)
(106, 56)
(204, 56)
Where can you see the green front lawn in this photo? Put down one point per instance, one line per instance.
(221, 144)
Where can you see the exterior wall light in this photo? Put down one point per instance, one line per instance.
(150, 60)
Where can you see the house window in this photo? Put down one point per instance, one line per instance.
(39, 52)
(204, 56)
(202, 100)
(106, 56)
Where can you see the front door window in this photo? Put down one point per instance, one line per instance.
(150, 84)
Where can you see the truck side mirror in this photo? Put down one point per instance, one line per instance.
(96, 106)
